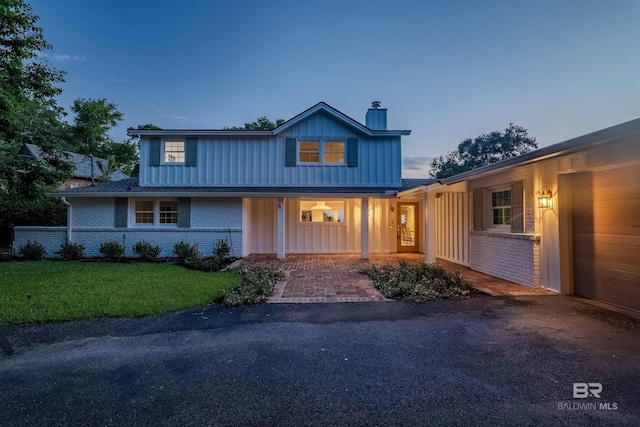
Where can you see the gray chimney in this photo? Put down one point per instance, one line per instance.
(376, 117)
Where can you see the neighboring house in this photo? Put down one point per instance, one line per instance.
(319, 183)
(85, 168)
(565, 217)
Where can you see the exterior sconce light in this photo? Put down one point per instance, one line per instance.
(545, 201)
(392, 208)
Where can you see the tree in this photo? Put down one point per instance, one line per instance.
(89, 134)
(483, 150)
(28, 114)
(261, 123)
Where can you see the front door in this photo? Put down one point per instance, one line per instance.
(408, 230)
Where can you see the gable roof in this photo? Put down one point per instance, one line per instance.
(324, 107)
(319, 107)
(81, 163)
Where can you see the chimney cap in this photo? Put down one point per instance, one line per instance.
(375, 104)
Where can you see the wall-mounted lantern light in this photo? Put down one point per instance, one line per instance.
(545, 201)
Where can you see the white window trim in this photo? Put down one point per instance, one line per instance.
(503, 228)
(321, 151)
(322, 223)
(156, 212)
(163, 145)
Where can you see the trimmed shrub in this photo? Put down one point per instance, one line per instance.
(32, 251)
(208, 265)
(221, 250)
(256, 286)
(418, 283)
(71, 251)
(146, 250)
(184, 250)
(112, 250)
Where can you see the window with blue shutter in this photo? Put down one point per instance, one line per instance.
(154, 154)
(352, 152)
(191, 151)
(290, 148)
(184, 212)
(121, 212)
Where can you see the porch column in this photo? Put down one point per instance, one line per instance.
(246, 226)
(281, 227)
(430, 234)
(365, 227)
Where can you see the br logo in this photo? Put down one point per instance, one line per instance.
(584, 390)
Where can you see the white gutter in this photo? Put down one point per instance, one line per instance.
(68, 205)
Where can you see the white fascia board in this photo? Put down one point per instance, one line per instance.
(199, 132)
(225, 194)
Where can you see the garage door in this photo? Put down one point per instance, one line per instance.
(606, 236)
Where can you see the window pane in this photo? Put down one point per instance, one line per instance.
(144, 211)
(334, 152)
(174, 151)
(309, 151)
(502, 216)
(319, 211)
(501, 198)
(144, 205)
(168, 212)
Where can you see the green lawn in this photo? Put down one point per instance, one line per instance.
(47, 291)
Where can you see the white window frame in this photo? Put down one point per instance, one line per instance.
(163, 150)
(322, 151)
(491, 209)
(156, 211)
(328, 202)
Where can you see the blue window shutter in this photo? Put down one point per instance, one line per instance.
(184, 212)
(190, 151)
(121, 212)
(352, 152)
(154, 156)
(290, 151)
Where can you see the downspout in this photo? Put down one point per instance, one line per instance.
(68, 205)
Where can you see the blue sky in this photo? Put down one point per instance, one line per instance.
(447, 70)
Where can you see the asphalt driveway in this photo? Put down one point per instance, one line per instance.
(484, 361)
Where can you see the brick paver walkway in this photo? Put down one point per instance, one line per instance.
(326, 278)
(337, 278)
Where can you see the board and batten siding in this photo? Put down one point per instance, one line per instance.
(452, 222)
(314, 238)
(260, 161)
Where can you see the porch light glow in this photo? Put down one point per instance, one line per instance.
(545, 201)
(320, 206)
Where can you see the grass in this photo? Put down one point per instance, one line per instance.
(50, 291)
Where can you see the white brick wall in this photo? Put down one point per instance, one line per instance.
(508, 256)
(93, 220)
(50, 237)
(93, 212)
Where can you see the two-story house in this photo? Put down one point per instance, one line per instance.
(319, 183)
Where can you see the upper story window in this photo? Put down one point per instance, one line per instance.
(309, 152)
(334, 152)
(321, 152)
(501, 208)
(173, 151)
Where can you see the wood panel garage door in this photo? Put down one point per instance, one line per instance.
(606, 236)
